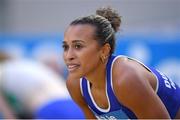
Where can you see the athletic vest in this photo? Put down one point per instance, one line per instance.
(167, 90)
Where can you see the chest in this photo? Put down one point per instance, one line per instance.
(100, 97)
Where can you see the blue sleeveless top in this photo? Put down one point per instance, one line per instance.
(167, 90)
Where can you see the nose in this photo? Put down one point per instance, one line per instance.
(69, 55)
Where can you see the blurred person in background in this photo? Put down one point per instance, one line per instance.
(49, 55)
(106, 86)
(6, 110)
(32, 90)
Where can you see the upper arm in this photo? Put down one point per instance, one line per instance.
(73, 87)
(135, 92)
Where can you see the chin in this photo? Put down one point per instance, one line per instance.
(74, 76)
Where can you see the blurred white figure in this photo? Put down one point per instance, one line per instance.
(32, 84)
(51, 55)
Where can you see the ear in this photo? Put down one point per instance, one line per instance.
(105, 50)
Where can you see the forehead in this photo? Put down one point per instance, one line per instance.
(79, 31)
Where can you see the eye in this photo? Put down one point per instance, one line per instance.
(78, 46)
(65, 47)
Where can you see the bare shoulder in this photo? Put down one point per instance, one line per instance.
(128, 74)
(126, 71)
(73, 87)
(128, 78)
(134, 91)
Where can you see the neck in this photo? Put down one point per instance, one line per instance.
(97, 78)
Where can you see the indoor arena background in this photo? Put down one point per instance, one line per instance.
(150, 30)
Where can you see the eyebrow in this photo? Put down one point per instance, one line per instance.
(74, 41)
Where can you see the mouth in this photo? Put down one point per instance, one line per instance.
(72, 67)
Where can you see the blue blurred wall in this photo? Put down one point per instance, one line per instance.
(160, 52)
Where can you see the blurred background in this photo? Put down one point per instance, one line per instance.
(150, 30)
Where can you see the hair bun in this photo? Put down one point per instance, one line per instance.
(111, 15)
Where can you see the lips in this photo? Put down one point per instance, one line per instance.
(72, 67)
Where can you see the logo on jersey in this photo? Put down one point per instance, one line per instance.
(106, 117)
(168, 82)
(114, 115)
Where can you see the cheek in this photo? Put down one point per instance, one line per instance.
(90, 60)
(90, 55)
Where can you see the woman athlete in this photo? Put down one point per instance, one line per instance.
(113, 87)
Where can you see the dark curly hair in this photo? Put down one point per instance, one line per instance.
(107, 22)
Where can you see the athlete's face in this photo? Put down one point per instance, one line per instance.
(81, 50)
